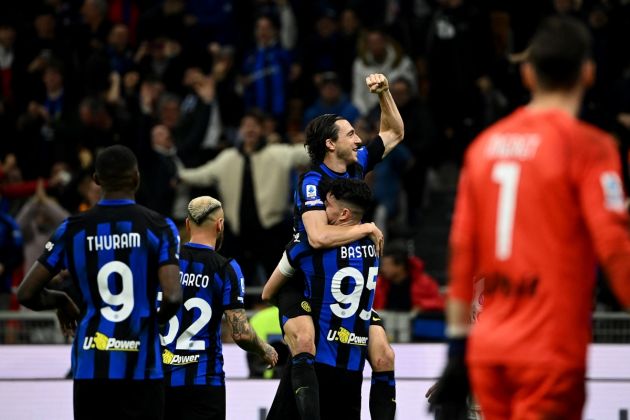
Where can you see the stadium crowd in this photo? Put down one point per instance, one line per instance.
(227, 85)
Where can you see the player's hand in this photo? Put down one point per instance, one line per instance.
(377, 83)
(453, 388)
(68, 314)
(377, 237)
(270, 355)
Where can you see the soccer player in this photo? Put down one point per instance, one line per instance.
(117, 253)
(213, 285)
(340, 285)
(540, 200)
(336, 152)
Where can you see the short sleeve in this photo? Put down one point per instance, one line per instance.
(308, 193)
(169, 245)
(372, 154)
(233, 287)
(54, 255)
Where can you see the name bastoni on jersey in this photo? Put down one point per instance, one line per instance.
(113, 241)
(104, 343)
(358, 251)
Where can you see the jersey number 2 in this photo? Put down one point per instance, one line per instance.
(507, 175)
(185, 341)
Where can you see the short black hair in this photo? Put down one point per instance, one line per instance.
(355, 192)
(398, 252)
(317, 132)
(116, 168)
(557, 51)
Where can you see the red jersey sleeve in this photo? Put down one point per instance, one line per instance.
(602, 202)
(462, 242)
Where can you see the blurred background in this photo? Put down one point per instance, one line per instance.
(181, 81)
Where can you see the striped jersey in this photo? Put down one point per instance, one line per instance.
(307, 194)
(192, 351)
(340, 284)
(113, 253)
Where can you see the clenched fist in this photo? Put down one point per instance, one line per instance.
(377, 83)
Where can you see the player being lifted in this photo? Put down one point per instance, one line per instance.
(540, 200)
(192, 352)
(116, 253)
(336, 152)
(341, 317)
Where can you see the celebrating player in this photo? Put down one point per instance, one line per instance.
(193, 360)
(340, 285)
(116, 253)
(336, 152)
(539, 201)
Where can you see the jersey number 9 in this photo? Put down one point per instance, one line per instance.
(348, 304)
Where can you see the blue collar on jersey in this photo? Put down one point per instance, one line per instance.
(332, 173)
(200, 246)
(121, 202)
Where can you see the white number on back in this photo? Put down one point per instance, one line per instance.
(185, 340)
(124, 299)
(507, 175)
(351, 301)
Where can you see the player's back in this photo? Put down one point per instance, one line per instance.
(340, 286)
(211, 283)
(113, 253)
(534, 184)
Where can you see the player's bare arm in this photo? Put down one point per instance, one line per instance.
(322, 235)
(245, 337)
(392, 129)
(275, 282)
(33, 294)
(168, 276)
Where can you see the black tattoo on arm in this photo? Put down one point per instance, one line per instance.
(242, 333)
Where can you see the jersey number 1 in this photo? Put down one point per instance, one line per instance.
(507, 175)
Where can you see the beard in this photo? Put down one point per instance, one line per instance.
(219, 241)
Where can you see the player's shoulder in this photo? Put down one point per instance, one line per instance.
(313, 176)
(594, 136)
(152, 217)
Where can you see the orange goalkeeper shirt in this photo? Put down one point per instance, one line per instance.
(539, 201)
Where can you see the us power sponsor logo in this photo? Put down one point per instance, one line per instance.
(169, 358)
(346, 337)
(104, 343)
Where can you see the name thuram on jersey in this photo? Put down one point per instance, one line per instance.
(114, 241)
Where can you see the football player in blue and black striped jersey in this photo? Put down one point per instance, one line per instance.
(116, 253)
(192, 352)
(336, 152)
(339, 286)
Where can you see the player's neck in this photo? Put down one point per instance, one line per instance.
(118, 195)
(203, 239)
(335, 164)
(567, 101)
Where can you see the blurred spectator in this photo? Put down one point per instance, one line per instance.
(350, 27)
(8, 76)
(45, 129)
(163, 19)
(254, 182)
(324, 51)
(11, 255)
(125, 12)
(161, 57)
(267, 71)
(158, 185)
(403, 285)
(378, 54)
(38, 220)
(459, 52)
(118, 50)
(332, 100)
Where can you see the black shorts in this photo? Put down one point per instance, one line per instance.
(195, 402)
(291, 300)
(339, 394)
(96, 399)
